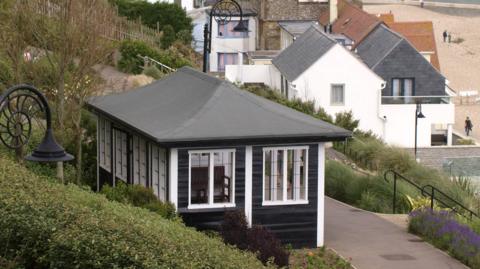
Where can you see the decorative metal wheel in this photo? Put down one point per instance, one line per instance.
(18, 111)
(223, 11)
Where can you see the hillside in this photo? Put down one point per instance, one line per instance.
(48, 225)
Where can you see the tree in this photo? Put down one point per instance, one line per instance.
(70, 35)
(168, 37)
(155, 14)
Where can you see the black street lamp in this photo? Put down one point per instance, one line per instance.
(222, 11)
(418, 115)
(18, 106)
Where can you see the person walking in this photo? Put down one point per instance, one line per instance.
(445, 36)
(468, 126)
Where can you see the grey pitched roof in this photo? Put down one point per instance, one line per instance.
(305, 51)
(189, 106)
(296, 28)
(377, 45)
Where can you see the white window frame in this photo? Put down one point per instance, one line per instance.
(285, 201)
(332, 101)
(211, 163)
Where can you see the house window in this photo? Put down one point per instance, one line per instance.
(226, 30)
(158, 172)
(139, 161)
(105, 143)
(337, 95)
(121, 155)
(225, 59)
(403, 87)
(285, 178)
(212, 178)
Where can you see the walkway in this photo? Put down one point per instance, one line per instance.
(374, 243)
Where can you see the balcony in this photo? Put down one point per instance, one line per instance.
(410, 100)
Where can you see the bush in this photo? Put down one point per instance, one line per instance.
(257, 239)
(442, 229)
(168, 36)
(153, 71)
(140, 196)
(346, 121)
(49, 225)
(131, 63)
(317, 258)
(185, 37)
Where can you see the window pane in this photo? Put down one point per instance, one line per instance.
(396, 87)
(301, 173)
(279, 175)
(408, 87)
(337, 94)
(267, 177)
(290, 175)
(200, 175)
(223, 177)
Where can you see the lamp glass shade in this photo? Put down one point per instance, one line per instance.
(49, 151)
(240, 27)
(420, 115)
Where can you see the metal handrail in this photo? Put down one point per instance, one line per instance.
(435, 198)
(149, 59)
(425, 193)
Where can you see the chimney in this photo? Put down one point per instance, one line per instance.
(333, 7)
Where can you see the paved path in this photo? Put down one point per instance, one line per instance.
(374, 243)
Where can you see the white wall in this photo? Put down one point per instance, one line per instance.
(266, 74)
(232, 45)
(400, 123)
(362, 87)
(286, 39)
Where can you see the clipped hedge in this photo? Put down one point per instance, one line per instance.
(48, 225)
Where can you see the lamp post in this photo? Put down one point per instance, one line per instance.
(18, 106)
(418, 115)
(222, 11)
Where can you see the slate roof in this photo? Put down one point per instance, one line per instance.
(296, 28)
(421, 35)
(352, 21)
(302, 53)
(376, 46)
(191, 107)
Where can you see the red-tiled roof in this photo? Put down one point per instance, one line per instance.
(352, 21)
(421, 35)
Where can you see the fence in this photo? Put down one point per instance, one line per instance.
(118, 28)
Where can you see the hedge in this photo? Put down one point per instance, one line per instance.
(44, 224)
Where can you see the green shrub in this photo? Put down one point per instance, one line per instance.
(185, 37)
(153, 71)
(131, 63)
(140, 196)
(346, 120)
(49, 225)
(168, 36)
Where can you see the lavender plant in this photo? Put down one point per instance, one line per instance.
(444, 230)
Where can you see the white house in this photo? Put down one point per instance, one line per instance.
(315, 67)
(230, 47)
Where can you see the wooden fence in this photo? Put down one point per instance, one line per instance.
(118, 28)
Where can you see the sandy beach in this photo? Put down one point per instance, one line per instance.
(460, 62)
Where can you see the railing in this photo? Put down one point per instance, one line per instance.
(402, 100)
(164, 68)
(451, 203)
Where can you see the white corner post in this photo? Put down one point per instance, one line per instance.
(449, 134)
(173, 177)
(248, 184)
(98, 154)
(321, 195)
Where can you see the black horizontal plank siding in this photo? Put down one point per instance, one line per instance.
(205, 218)
(293, 224)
